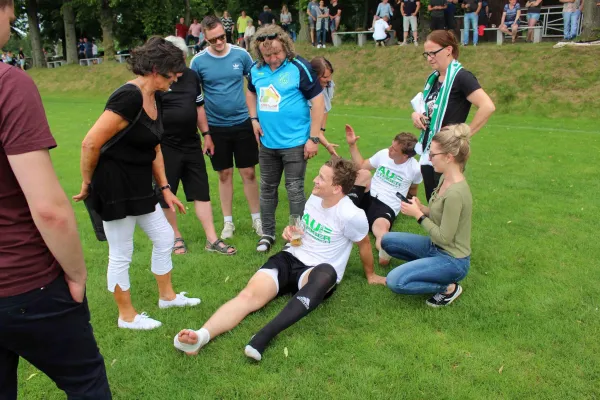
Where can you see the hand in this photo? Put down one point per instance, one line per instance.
(351, 137)
(418, 120)
(417, 202)
(411, 209)
(76, 287)
(173, 201)
(331, 149)
(375, 279)
(310, 149)
(208, 146)
(257, 131)
(287, 234)
(85, 192)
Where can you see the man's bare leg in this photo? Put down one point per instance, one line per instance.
(260, 290)
(380, 227)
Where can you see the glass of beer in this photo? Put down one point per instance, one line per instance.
(297, 230)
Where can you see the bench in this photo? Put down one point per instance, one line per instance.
(122, 57)
(56, 64)
(336, 37)
(537, 34)
(90, 61)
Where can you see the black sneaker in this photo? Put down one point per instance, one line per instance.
(441, 299)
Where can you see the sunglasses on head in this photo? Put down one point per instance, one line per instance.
(262, 38)
(216, 39)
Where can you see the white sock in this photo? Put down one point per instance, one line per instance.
(228, 218)
(255, 216)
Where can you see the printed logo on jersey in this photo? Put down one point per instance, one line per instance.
(319, 232)
(284, 78)
(269, 99)
(388, 176)
(236, 66)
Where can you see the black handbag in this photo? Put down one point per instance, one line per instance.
(89, 201)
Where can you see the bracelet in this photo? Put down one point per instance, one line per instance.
(254, 118)
(421, 218)
(167, 186)
(323, 129)
(205, 133)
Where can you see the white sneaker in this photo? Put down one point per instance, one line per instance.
(179, 301)
(416, 44)
(257, 226)
(403, 44)
(324, 46)
(140, 322)
(228, 230)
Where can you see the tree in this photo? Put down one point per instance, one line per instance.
(188, 12)
(70, 43)
(34, 33)
(591, 20)
(106, 22)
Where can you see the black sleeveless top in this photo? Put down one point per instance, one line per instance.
(122, 183)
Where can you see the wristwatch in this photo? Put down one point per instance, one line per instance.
(167, 186)
(323, 129)
(205, 133)
(421, 218)
(315, 140)
(253, 118)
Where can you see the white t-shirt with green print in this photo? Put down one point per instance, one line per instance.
(390, 178)
(329, 233)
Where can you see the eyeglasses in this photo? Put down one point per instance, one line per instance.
(431, 53)
(431, 155)
(262, 38)
(222, 38)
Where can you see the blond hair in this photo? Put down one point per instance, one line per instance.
(455, 140)
(282, 37)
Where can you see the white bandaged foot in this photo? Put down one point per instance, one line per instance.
(179, 301)
(140, 322)
(384, 256)
(251, 352)
(203, 338)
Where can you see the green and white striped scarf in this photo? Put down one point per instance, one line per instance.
(441, 103)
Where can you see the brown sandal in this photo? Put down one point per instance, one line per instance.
(215, 247)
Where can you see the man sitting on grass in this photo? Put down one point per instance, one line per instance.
(396, 171)
(309, 271)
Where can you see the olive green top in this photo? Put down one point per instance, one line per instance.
(449, 222)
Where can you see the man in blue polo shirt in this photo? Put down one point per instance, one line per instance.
(221, 68)
(279, 87)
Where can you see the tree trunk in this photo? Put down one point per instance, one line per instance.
(591, 20)
(70, 42)
(188, 13)
(34, 32)
(304, 32)
(106, 22)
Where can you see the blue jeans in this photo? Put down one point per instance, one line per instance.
(273, 163)
(471, 20)
(428, 270)
(571, 24)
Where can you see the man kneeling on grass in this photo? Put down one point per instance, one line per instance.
(397, 175)
(310, 271)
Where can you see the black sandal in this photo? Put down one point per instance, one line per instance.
(182, 246)
(214, 247)
(267, 242)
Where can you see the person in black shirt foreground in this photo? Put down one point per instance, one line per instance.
(183, 115)
(449, 92)
(118, 179)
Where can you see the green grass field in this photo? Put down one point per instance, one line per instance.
(527, 325)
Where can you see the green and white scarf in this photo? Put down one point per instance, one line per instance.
(441, 103)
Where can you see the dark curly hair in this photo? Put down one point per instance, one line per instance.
(344, 173)
(156, 55)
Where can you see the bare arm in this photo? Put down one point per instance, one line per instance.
(479, 4)
(316, 114)
(366, 257)
(351, 139)
(418, 8)
(485, 108)
(503, 18)
(202, 121)
(412, 191)
(52, 213)
(158, 170)
(518, 15)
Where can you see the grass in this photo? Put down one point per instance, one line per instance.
(526, 326)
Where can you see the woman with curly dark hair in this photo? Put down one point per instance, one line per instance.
(119, 157)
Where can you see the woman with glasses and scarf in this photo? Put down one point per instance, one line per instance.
(448, 95)
(120, 156)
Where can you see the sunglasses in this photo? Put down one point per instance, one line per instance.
(431, 53)
(222, 38)
(262, 38)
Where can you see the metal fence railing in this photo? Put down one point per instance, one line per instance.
(551, 19)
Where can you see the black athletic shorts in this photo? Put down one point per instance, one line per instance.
(372, 206)
(289, 269)
(187, 166)
(231, 142)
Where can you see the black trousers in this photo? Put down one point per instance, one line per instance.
(431, 180)
(53, 332)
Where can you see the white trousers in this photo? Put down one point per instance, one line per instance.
(119, 234)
